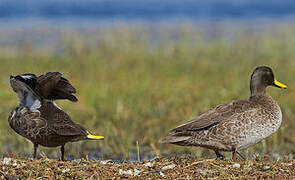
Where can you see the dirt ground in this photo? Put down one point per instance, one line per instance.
(158, 168)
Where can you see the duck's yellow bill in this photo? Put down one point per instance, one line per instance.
(279, 84)
(91, 136)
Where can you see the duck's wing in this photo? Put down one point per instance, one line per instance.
(209, 119)
(63, 125)
(53, 86)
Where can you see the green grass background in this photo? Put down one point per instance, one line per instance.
(136, 82)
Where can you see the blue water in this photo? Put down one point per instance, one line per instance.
(147, 10)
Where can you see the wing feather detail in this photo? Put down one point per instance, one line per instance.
(53, 86)
(214, 116)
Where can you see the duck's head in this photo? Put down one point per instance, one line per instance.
(262, 77)
(24, 85)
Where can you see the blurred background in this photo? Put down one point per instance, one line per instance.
(142, 67)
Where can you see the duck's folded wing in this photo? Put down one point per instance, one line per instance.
(215, 115)
(53, 86)
(208, 120)
(62, 124)
(69, 130)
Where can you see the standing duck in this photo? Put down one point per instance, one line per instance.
(235, 125)
(38, 118)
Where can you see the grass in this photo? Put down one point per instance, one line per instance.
(135, 82)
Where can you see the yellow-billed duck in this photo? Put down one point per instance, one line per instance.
(38, 118)
(235, 125)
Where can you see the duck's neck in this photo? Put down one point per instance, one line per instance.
(258, 92)
(257, 89)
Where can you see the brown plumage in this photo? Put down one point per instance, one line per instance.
(38, 118)
(235, 125)
(53, 86)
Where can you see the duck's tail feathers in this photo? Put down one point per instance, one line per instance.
(174, 139)
(93, 137)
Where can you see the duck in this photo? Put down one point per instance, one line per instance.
(236, 125)
(38, 118)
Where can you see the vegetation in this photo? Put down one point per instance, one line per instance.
(136, 82)
(162, 168)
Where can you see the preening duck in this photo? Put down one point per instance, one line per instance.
(38, 118)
